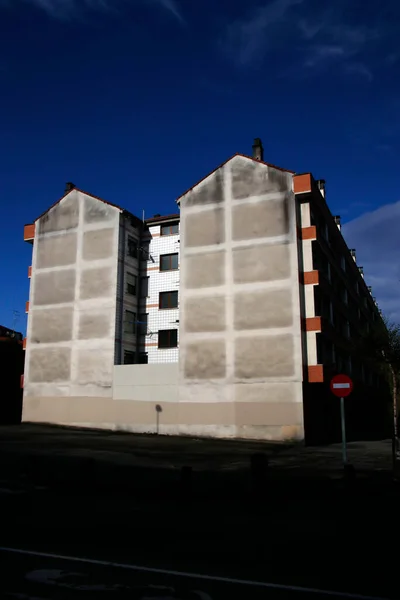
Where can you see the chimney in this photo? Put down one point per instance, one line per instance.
(321, 186)
(353, 254)
(258, 150)
(69, 186)
(370, 289)
(361, 269)
(337, 221)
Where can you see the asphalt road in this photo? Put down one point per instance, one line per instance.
(120, 499)
(35, 576)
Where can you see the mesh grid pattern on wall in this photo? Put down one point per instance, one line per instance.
(161, 281)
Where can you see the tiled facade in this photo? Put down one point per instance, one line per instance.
(162, 243)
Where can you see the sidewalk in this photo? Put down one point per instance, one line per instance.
(168, 452)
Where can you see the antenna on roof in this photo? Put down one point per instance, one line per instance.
(143, 215)
(14, 322)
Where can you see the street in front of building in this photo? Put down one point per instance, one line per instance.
(34, 575)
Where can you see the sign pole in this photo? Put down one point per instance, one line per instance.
(343, 422)
(342, 386)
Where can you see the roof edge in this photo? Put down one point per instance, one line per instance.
(225, 162)
(76, 189)
(171, 217)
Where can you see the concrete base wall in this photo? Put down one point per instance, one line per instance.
(225, 420)
(146, 400)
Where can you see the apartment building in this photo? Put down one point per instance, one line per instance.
(227, 319)
(159, 312)
(340, 308)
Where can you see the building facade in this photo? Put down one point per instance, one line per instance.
(159, 314)
(226, 319)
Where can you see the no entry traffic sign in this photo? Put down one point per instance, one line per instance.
(341, 386)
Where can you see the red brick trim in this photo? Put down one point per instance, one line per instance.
(311, 277)
(316, 374)
(29, 272)
(29, 232)
(26, 307)
(313, 324)
(302, 183)
(309, 233)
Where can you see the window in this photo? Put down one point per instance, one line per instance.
(144, 286)
(132, 247)
(130, 322)
(143, 323)
(131, 284)
(143, 358)
(129, 357)
(343, 263)
(345, 297)
(170, 228)
(168, 262)
(168, 300)
(168, 338)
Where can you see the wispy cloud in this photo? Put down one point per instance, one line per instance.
(375, 237)
(329, 40)
(67, 9)
(171, 6)
(321, 54)
(360, 70)
(306, 34)
(248, 39)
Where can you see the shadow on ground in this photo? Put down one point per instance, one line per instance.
(203, 505)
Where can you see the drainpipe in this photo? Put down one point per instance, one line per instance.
(122, 291)
(139, 292)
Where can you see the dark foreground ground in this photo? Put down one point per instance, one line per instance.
(122, 498)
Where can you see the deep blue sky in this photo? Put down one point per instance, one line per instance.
(135, 100)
